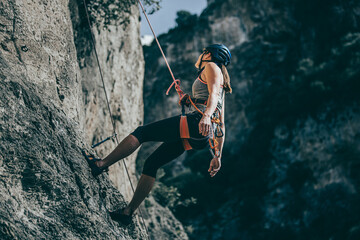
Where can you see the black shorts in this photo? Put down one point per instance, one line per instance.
(168, 132)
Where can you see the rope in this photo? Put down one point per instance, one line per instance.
(108, 105)
(175, 82)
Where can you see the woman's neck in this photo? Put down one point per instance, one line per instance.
(203, 64)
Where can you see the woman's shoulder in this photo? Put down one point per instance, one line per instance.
(212, 71)
(212, 67)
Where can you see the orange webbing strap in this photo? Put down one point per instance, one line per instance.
(186, 144)
(193, 104)
(184, 128)
(214, 141)
(184, 132)
(214, 146)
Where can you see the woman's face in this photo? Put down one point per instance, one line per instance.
(207, 56)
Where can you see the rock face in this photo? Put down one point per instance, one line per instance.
(292, 142)
(52, 104)
(122, 65)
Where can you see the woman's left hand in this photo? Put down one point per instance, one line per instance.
(215, 166)
(205, 125)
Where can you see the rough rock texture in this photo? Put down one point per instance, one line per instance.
(46, 189)
(122, 65)
(51, 105)
(291, 157)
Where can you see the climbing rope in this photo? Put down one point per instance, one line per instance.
(109, 109)
(176, 82)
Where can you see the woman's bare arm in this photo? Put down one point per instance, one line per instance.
(213, 77)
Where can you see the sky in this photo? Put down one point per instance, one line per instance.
(164, 19)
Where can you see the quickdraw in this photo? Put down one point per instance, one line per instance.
(105, 140)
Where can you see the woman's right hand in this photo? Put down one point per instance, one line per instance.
(215, 166)
(205, 125)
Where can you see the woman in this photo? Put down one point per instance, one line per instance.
(208, 92)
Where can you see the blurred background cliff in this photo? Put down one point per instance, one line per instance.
(290, 167)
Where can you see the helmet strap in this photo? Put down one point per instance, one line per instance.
(201, 61)
(200, 71)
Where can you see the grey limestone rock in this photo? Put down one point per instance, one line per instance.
(52, 105)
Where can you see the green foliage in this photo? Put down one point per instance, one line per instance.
(148, 204)
(152, 5)
(116, 12)
(109, 12)
(189, 229)
(185, 19)
(170, 197)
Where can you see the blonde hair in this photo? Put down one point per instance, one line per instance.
(227, 86)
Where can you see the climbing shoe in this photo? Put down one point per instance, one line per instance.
(91, 159)
(119, 216)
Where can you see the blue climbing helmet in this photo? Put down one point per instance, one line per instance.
(220, 53)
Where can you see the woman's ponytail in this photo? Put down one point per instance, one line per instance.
(227, 86)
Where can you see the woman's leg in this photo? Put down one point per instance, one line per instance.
(124, 149)
(143, 188)
(166, 130)
(162, 155)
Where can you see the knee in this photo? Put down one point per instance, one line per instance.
(149, 168)
(138, 133)
(150, 173)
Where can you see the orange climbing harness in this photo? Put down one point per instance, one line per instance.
(184, 132)
(184, 129)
